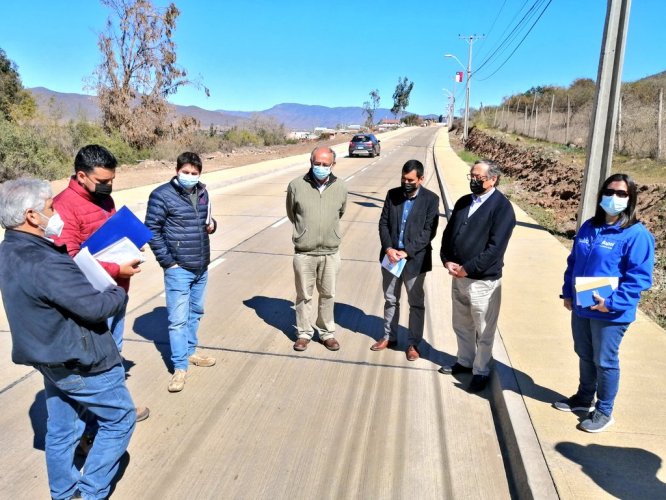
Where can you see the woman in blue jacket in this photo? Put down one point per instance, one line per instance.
(611, 244)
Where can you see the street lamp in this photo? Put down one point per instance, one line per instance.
(452, 98)
(469, 74)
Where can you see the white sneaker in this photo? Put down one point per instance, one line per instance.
(177, 381)
(199, 359)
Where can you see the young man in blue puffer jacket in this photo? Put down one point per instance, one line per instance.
(179, 215)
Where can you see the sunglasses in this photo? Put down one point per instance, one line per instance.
(617, 192)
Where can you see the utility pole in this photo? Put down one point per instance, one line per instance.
(470, 40)
(609, 81)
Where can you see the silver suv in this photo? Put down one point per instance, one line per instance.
(365, 144)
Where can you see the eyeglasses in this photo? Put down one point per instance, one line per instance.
(477, 178)
(617, 192)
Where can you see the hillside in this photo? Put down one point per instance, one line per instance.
(67, 106)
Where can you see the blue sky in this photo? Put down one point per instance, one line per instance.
(254, 54)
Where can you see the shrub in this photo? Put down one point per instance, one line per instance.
(242, 137)
(24, 151)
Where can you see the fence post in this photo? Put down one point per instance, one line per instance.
(661, 108)
(515, 115)
(566, 130)
(536, 121)
(502, 116)
(550, 116)
(532, 114)
(526, 131)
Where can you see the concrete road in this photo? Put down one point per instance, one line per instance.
(266, 421)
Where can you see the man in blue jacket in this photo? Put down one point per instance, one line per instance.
(179, 215)
(58, 325)
(473, 246)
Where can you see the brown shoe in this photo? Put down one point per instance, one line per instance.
(412, 353)
(301, 344)
(142, 413)
(383, 344)
(331, 344)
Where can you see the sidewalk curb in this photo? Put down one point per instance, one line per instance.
(527, 466)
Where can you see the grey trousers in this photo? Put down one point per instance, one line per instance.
(475, 310)
(320, 271)
(416, 297)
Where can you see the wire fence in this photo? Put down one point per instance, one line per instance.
(638, 129)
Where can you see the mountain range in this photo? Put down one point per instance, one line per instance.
(68, 106)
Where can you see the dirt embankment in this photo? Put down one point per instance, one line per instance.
(551, 180)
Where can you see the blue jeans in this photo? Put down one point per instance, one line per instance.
(597, 344)
(68, 395)
(117, 326)
(185, 293)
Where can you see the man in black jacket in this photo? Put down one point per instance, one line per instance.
(58, 325)
(406, 227)
(179, 216)
(473, 247)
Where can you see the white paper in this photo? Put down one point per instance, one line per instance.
(120, 252)
(93, 270)
(394, 269)
(581, 280)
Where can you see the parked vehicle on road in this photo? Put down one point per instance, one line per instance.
(364, 144)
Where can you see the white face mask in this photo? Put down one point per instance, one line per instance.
(54, 226)
(188, 181)
(613, 205)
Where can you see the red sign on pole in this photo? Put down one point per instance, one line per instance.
(459, 76)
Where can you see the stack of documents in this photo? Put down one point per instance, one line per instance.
(394, 268)
(118, 240)
(587, 286)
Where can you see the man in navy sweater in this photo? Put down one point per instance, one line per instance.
(473, 247)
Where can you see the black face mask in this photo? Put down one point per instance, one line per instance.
(408, 187)
(476, 186)
(103, 190)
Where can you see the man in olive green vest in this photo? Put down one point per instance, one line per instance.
(315, 203)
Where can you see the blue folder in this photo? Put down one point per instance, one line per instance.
(122, 224)
(586, 299)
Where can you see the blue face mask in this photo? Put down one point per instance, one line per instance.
(613, 205)
(321, 172)
(188, 181)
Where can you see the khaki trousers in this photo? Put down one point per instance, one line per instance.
(475, 311)
(319, 270)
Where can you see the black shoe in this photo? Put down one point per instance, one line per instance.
(454, 369)
(478, 383)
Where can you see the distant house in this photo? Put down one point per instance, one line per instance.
(388, 123)
(298, 135)
(324, 130)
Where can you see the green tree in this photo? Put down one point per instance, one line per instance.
(138, 70)
(401, 96)
(16, 103)
(370, 107)
(411, 119)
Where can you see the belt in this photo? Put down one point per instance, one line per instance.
(69, 365)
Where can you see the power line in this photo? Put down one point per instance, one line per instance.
(519, 44)
(504, 44)
(495, 22)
